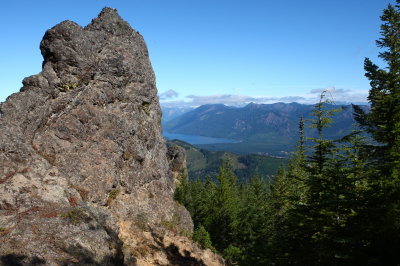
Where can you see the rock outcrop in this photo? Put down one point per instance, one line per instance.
(177, 162)
(84, 175)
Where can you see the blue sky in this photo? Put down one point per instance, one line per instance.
(229, 51)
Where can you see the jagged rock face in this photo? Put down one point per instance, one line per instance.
(84, 176)
(176, 156)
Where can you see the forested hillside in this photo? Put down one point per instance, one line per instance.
(201, 162)
(337, 202)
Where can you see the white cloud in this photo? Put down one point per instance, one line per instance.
(168, 94)
(340, 96)
(228, 99)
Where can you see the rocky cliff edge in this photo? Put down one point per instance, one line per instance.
(84, 175)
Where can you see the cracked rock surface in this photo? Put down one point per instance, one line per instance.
(84, 175)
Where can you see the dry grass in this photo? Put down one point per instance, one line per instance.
(112, 196)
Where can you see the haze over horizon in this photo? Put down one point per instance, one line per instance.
(230, 52)
(336, 96)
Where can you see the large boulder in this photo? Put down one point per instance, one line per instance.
(84, 175)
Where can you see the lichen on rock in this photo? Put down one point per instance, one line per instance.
(82, 157)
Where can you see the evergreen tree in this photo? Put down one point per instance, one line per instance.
(383, 120)
(311, 219)
(300, 151)
(352, 183)
(201, 236)
(382, 227)
(281, 227)
(338, 206)
(322, 118)
(251, 220)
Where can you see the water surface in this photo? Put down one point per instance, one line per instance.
(193, 139)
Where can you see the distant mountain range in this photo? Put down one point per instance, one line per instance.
(169, 113)
(262, 128)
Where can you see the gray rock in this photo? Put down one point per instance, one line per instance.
(177, 162)
(84, 175)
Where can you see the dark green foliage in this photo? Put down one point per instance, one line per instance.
(322, 119)
(224, 209)
(383, 123)
(229, 211)
(201, 236)
(301, 153)
(337, 202)
(233, 254)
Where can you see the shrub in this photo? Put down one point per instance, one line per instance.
(201, 236)
(112, 196)
(75, 216)
(232, 254)
(141, 220)
(169, 225)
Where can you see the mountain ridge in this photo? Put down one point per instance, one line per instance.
(265, 124)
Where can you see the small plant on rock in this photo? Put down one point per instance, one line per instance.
(75, 216)
(69, 86)
(141, 220)
(112, 196)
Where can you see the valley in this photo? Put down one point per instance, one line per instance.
(267, 129)
(202, 162)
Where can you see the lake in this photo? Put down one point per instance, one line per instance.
(193, 139)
